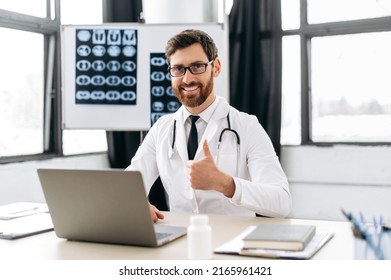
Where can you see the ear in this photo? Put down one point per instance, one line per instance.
(216, 67)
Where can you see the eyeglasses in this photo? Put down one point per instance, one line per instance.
(197, 68)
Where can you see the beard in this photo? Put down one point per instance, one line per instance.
(193, 101)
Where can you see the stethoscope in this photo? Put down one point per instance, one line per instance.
(227, 129)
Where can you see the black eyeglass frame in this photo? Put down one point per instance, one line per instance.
(189, 68)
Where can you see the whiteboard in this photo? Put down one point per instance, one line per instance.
(93, 98)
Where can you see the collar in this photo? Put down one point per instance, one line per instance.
(205, 115)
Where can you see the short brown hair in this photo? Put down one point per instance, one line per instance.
(189, 37)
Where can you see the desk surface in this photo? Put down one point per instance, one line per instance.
(48, 246)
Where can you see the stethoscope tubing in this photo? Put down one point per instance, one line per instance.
(220, 136)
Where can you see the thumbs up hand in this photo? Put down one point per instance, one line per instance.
(204, 174)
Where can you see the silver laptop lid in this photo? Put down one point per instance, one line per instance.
(107, 206)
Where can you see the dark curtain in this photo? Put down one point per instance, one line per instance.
(122, 145)
(255, 62)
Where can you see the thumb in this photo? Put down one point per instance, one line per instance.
(206, 150)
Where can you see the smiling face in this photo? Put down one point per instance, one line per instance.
(194, 91)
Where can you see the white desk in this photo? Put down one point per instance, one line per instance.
(47, 246)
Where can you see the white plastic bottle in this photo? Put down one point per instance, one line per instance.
(199, 238)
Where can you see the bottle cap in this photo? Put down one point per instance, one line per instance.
(199, 220)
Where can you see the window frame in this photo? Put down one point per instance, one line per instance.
(50, 29)
(308, 31)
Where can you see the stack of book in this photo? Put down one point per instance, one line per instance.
(277, 240)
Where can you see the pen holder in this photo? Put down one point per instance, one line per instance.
(376, 246)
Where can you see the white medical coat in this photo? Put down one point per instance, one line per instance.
(261, 185)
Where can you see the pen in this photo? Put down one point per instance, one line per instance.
(359, 230)
(24, 210)
(362, 217)
(358, 227)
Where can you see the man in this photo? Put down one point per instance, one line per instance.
(241, 175)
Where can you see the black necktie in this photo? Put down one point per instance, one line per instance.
(192, 142)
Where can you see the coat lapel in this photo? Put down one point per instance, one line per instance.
(212, 129)
(180, 141)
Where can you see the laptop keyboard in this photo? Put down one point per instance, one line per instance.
(161, 235)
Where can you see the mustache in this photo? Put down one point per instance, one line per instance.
(192, 84)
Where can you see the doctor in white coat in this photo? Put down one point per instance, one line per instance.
(235, 170)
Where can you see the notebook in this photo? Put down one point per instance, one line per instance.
(108, 206)
(279, 236)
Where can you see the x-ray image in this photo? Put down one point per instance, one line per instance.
(163, 100)
(106, 63)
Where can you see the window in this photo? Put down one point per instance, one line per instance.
(320, 11)
(21, 92)
(351, 88)
(29, 79)
(24, 55)
(33, 8)
(336, 54)
(291, 132)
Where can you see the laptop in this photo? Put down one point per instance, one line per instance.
(106, 206)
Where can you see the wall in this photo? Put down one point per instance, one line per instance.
(19, 181)
(174, 11)
(365, 165)
(325, 179)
